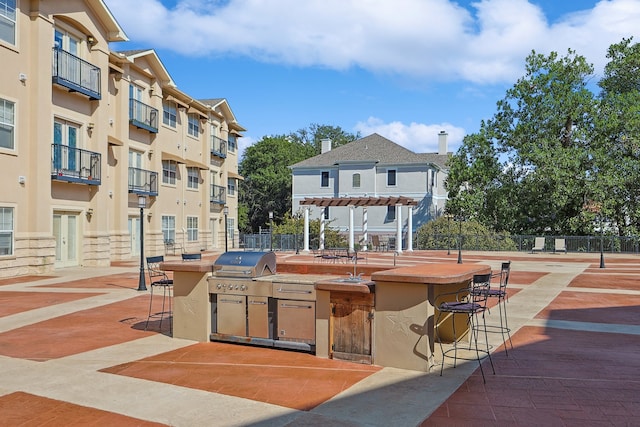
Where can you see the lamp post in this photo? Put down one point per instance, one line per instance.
(271, 230)
(601, 242)
(448, 234)
(142, 203)
(225, 210)
(460, 218)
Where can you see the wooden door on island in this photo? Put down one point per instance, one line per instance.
(351, 326)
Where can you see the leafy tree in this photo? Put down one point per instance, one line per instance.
(265, 167)
(314, 134)
(616, 176)
(526, 170)
(267, 178)
(444, 232)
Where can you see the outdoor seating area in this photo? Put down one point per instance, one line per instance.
(100, 375)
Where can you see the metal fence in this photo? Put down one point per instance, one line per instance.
(523, 243)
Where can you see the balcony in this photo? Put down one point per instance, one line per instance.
(218, 195)
(71, 164)
(143, 182)
(143, 116)
(76, 75)
(218, 147)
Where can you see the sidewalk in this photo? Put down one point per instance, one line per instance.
(74, 352)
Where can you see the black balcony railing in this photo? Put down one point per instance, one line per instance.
(75, 74)
(218, 195)
(143, 116)
(143, 182)
(75, 165)
(218, 147)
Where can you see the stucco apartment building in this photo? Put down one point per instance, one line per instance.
(88, 135)
(371, 175)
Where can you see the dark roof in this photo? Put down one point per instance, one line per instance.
(375, 149)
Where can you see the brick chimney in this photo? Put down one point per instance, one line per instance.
(442, 142)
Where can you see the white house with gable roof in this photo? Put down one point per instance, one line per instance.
(372, 186)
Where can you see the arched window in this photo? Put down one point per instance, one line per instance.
(355, 180)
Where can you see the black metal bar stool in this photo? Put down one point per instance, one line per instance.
(159, 278)
(471, 303)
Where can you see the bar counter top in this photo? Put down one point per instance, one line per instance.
(431, 274)
(187, 266)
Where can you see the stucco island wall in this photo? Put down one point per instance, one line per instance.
(404, 319)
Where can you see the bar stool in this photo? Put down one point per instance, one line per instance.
(503, 298)
(471, 302)
(159, 278)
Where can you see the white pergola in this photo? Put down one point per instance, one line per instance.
(352, 203)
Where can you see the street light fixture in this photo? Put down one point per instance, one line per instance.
(448, 233)
(271, 230)
(142, 203)
(601, 242)
(225, 210)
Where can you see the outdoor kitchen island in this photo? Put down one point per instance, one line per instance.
(241, 299)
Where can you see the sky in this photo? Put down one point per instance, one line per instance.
(405, 69)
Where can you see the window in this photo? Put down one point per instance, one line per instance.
(231, 186)
(355, 181)
(232, 142)
(6, 231)
(192, 228)
(67, 42)
(391, 177)
(169, 113)
(193, 177)
(324, 180)
(391, 213)
(65, 137)
(7, 123)
(326, 212)
(169, 228)
(194, 125)
(8, 21)
(169, 168)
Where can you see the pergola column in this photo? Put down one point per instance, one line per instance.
(351, 234)
(322, 228)
(410, 229)
(306, 230)
(365, 231)
(399, 228)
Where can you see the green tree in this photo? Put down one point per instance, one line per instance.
(526, 170)
(447, 233)
(314, 134)
(267, 177)
(616, 176)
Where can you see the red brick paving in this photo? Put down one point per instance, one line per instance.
(279, 377)
(24, 409)
(82, 331)
(12, 302)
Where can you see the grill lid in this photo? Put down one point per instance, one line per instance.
(245, 264)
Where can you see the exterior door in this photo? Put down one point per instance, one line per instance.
(134, 232)
(65, 231)
(136, 178)
(65, 138)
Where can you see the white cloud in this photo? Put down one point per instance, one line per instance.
(435, 39)
(417, 137)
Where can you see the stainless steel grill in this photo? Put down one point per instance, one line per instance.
(251, 304)
(245, 264)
